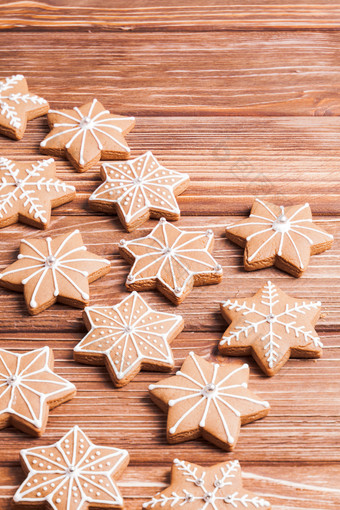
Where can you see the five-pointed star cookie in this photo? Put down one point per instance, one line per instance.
(29, 389)
(139, 189)
(28, 191)
(50, 270)
(17, 106)
(194, 487)
(127, 338)
(172, 260)
(87, 134)
(271, 326)
(209, 400)
(72, 474)
(285, 237)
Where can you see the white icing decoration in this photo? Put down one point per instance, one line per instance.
(273, 318)
(282, 225)
(83, 472)
(24, 190)
(88, 125)
(151, 185)
(25, 380)
(9, 100)
(177, 253)
(210, 495)
(208, 392)
(139, 328)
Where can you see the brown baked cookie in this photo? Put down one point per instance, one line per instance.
(29, 389)
(28, 191)
(87, 134)
(279, 236)
(127, 338)
(194, 487)
(50, 270)
(209, 400)
(271, 326)
(72, 474)
(139, 189)
(17, 106)
(171, 260)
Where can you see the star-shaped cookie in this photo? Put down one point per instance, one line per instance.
(271, 326)
(28, 191)
(29, 389)
(127, 338)
(139, 189)
(50, 270)
(87, 134)
(72, 474)
(17, 106)
(194, 487)
(209, 400)
(171, 260)
(279, 236)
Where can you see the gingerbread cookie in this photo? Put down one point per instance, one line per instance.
(209, 400)
(72, 474)
(28, 191)
(139, 189)
(29, 389)
(271, 326)
(17, 106)
(87, 134)
(171, 260)
(279, 236)
(127, 338)
(50, 270)
(194, 487)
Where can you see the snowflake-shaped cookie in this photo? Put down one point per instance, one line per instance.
(17, 106)
(128, 337)
(271, 326)
(285, 237)
(194, 487)
(87, 134)
(28, 191)
(209, 400)
(139, 189)
(72, 474)
(172, 260)
(50, 270)
(29, 389)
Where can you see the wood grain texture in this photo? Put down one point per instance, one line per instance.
(246, 113)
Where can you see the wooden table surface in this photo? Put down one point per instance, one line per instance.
(245, 97)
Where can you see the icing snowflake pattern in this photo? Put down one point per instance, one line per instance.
(20, 188)
(175, 258)
(72, 474)
(28, 385)
(196, 488)
(209, 396)
(129, 335)
(273, 326)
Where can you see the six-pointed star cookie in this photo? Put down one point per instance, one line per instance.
(72, 474)
(128, 337)
(271, 326)
(209, 400)
(28, 191)
(139, 189)
(282, 236)
(194, 487)
(87, 134)
(172, 260)
(29, 389)
(17, 106)
(50, 270)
